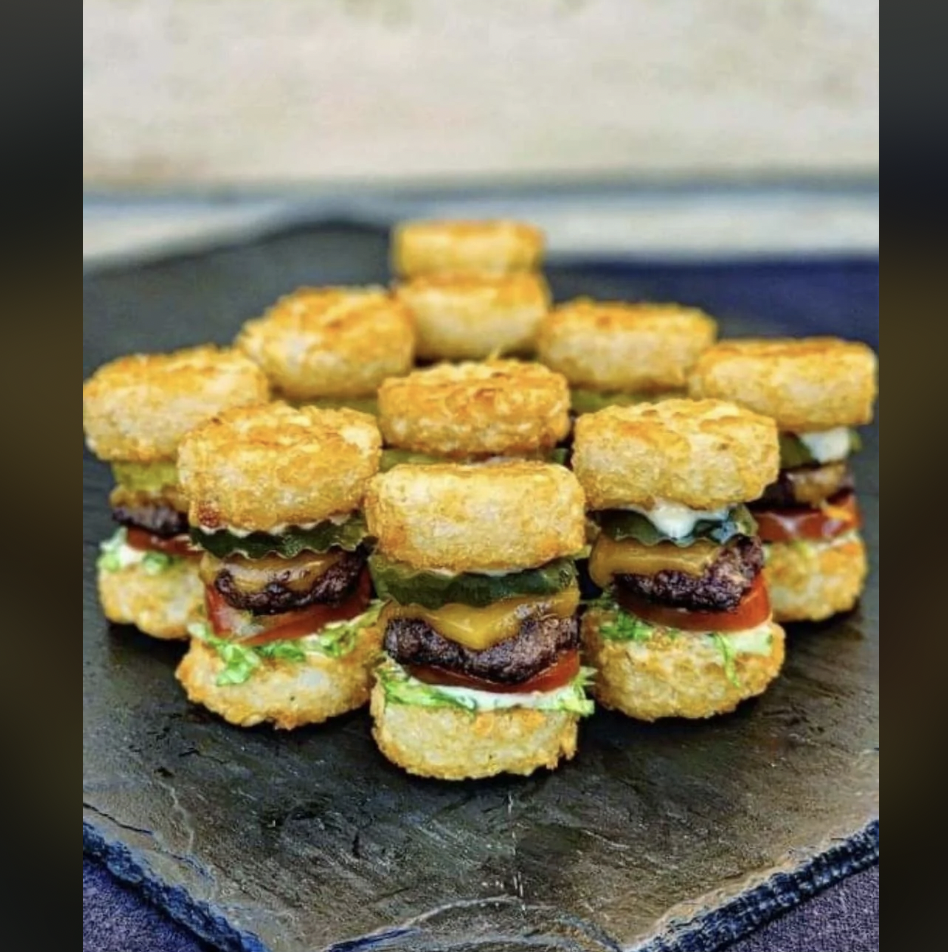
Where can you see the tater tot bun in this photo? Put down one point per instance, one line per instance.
(331, 343)
(286, 694)
(268, 467)
(703, 454)
(159, 603)
(479, 518)
(806, 385)
(687, 675)
(614, 346)
(437, 247)
(498, 408)
(472, 316)
(812, 581)
(138, 409)
(449, 744)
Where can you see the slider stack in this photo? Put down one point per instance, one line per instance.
(474, 288)
(275, 495)
(482, 672)
(817, 390)
(685, 628)
(135, 412)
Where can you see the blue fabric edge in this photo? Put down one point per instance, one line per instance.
(780, 893)
(709, 932)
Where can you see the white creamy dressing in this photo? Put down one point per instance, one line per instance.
(677, 521)
(754, 641)
(276, 530)
(128, 556)
(828, 446)
(489, 701)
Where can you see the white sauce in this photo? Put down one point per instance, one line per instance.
(755, 641)
(829, 446)
(489, 701)
(677, 521)
(128, 556)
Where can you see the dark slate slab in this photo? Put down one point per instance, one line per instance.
(677, 836)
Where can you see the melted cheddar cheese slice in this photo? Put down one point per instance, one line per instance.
(610, 558)
(482, 628)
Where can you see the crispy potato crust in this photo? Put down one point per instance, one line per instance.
(161, 605)
(453, 745)
(138, 409)
(266, 467)
(472, 316)
(438, 247)
(703, 454)
(331, 342)
(806, 385)
(499, 408)
(680, 677)
(285, 694)
(634, 348)
(812, 581)
(506, 516)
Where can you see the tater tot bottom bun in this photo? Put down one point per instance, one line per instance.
(497, 408)
(283, 693)
(277, 465)
(806, 385)
(615, 346)
(331, 342)
(448, 744)
(477, 518)
(703, 454)
(138, 409)
(683, 676)
(812, 581)
(473, 316)
(439, 247)
(160, 604)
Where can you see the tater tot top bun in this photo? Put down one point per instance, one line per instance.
(806, 385)
(331, 342)
(611, 345)
(266, 468)
(138, 409)
(702, 454)
(503, 517)
(470, 316)
(433, 247)
(497, 408)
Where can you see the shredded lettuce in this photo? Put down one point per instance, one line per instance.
(116, 554)
(622, 626)
(401, 688)
(336, 640)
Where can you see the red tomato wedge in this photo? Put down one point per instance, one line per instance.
(558, 675)
(250, 630)
(754, 610)
(835, 517)
(179, 546)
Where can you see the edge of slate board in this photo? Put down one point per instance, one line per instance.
(706, 932)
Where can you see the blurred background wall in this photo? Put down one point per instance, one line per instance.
(212, 93)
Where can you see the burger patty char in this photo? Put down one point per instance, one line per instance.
(159, 519)
(535, 648)
(720, 588)
(807, 486)
(276, 598)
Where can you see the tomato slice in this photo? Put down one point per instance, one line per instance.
(179, 546)
(558, 675)
(754, 610)
(835, 517)
(250, 629)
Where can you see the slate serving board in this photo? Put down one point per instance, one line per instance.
(676, 836)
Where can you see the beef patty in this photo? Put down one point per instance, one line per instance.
(159, 519)
(537, 646)
(807, 486)
(277, 597)
(722, 586)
